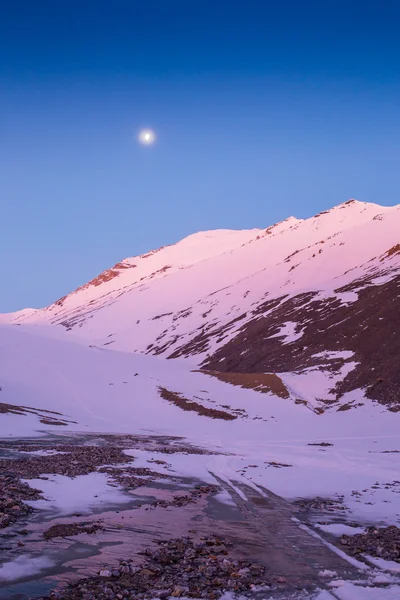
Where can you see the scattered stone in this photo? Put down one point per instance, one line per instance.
(105, 573)
(177, 568)
(12, 494)
(189, 498)
(70, 461)
(322, 504)
(382, 542)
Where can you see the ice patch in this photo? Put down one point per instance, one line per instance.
(339, 529)
(225, 498)
(23, 567)
(81, 494)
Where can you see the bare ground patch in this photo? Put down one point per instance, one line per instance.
(45, 416)
(260, 382)
(68, 529)
(189, 405)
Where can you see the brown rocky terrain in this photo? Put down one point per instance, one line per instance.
(369, 327)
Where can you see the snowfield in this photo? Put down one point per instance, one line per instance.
(100, 390)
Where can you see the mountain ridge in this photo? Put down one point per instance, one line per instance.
(258, 300)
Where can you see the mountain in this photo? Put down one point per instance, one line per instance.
(315, 301)
(260, 366)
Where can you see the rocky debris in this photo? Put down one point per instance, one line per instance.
(12, 494)
(68, 529)
(277, 465)
(383, 542)
(324, 504)
(186, 499)
(153, 444)
(183, 450)
(71, 461)
(178, 568)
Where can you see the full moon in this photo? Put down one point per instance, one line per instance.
(147, 137)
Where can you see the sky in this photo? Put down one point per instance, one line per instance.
(262, 110)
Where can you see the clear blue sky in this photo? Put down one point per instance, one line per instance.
(262, 109)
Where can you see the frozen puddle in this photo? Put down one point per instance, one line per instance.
(24, 567)
(83, 494)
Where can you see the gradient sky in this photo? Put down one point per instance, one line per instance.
(262, 110)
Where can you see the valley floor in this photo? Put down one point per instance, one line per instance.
(134, 491)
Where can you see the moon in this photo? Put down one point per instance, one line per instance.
(147, 137)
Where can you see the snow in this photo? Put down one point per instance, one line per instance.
(83, 494)
(327, 574)
(332, 355)
(384, 565)
(316, 383)
(340, 590)
(339, 529)
(288, 331)
(54, 374)
(352, 591)
(24, 566)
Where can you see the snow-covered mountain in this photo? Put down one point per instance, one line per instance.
(316, 301)
(286, 345)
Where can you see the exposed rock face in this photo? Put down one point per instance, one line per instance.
(369, 327)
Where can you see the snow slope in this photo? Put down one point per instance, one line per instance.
(99, 390)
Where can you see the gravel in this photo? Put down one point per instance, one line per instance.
(12, 494)
(177, 567)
